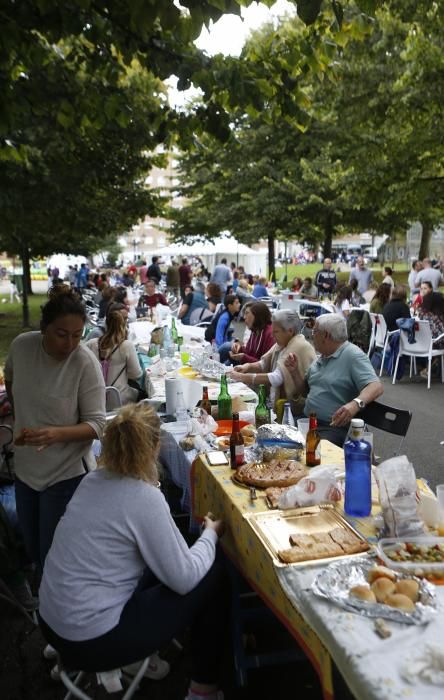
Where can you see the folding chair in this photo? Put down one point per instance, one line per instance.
(113, 399)
(424, 346)
(109, 679)
(387, 418)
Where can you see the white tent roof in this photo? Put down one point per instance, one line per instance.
(221, 245)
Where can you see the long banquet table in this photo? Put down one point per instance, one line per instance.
(370, 666)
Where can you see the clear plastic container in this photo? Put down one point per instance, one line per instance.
(421, 568)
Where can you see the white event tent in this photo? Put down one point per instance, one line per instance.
(211, 252)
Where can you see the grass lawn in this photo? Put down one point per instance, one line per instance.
(400, 274)
(11, 322)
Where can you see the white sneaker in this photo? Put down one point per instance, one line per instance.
(157, 668)
(49, 652)
(55, 673)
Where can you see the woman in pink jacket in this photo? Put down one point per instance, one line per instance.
(257, 318)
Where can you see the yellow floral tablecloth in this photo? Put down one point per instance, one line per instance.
(373, 668)
(213, 490)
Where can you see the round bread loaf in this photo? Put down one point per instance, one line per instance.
(383, 587)
(363, 592)
(408, 587)
(380, 572)
(401, 602)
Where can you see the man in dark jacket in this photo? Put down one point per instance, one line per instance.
(153, 272)
(325, 279)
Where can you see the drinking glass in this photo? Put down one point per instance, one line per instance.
(303, 424)
(184, 356)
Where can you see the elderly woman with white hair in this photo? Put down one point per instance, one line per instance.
(271, 369)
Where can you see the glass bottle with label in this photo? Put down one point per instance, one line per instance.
(224, 408)
(313, 443)
(205, 402)
(357, 453)
(236, 444)
(262, 413)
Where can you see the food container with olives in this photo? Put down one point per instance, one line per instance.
(419, 556)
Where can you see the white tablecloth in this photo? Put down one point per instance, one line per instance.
(178, 463)
(371, 665)
(142, 331)
(234, 388)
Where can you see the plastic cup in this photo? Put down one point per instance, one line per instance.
(303, 424)
(440, 497)
(185, 357)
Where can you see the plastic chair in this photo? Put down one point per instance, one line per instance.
(422, 347)
(387, 418)
(113, 399)
(73, 684)
(381, 336)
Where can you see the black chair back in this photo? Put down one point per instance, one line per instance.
(393, 420)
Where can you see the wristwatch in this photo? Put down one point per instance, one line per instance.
(360, 403)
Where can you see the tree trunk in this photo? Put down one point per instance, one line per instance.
(271, 267)
(426, 236)
(26, 277)
(328, 235)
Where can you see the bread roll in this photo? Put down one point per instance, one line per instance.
(248, 430)
(380, 572)
(363, 592)
(401, 602)
(408, 587)
(383, 587)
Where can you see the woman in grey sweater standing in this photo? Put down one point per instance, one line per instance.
(120, 581)
(57, 391)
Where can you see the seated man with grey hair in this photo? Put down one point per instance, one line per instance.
(340, 383)
(271, 369)
(194, 299)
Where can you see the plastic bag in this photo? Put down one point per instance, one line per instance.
(202, 423)
(319, 486)
(397, 494)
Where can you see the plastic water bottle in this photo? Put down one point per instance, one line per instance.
(288, 416)
(358, 488)
(214, 351)
(166, 337)
(181, 411)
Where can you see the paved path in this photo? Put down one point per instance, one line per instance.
(426, 433)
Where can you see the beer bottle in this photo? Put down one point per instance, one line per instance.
(224, 409)
(205, 402)
(262, 413)
(313, 443)
(236, 444)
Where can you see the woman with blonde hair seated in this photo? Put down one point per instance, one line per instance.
(270, 369)
(117, 356)
(120, 581)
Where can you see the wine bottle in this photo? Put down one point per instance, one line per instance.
(224, 400)
(262, 413)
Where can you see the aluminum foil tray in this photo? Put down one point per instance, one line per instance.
(274, 528)
(334, 583)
